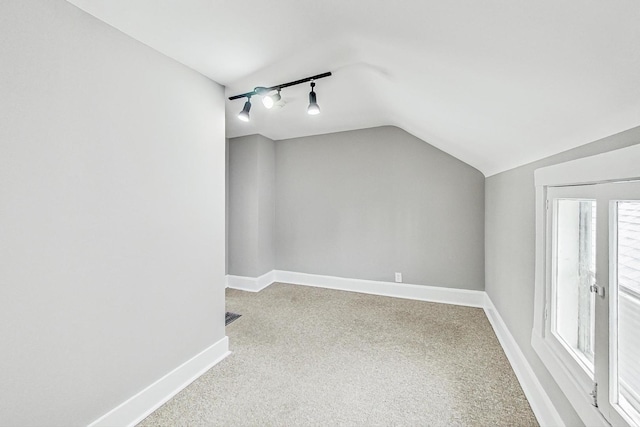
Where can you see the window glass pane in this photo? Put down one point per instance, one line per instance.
(575, 252)
(627, 380)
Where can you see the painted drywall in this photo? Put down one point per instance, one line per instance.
(266, 204)
(226, 206)
(510, 250)
(251, 206)
(111, 215)
(243, 206)
(368, 203)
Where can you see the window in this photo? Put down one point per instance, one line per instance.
(574, 272)
(587, 307)
(625, 326)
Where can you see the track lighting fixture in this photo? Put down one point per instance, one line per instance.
(313, 107)
(244, 114)
(269, 100)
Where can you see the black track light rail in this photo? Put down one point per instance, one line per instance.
(278, 87)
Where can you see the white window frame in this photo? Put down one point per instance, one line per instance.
(617, 165)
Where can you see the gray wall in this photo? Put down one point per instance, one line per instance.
(365, 204)
(510, 250)
(226, 206)
(251, 206)
(266, 205)
(111, 215)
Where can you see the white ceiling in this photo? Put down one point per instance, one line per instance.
(496, 83)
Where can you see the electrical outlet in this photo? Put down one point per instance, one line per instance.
(398, 277)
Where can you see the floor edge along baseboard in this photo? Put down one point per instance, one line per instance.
(142, 404)
(438, 294)
(541, 404)
(466, 297)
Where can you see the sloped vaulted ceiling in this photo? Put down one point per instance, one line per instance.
(495, 83)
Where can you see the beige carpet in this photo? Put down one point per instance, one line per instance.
(309, 356)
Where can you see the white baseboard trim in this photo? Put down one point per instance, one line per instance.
(389, 289)
(250, 284)
(138, 407)
(542, 406)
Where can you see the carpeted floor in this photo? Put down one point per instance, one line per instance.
(308, 356)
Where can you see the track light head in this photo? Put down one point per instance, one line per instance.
(269, 100)
(313, 108)
(261, 90)
(244, 114)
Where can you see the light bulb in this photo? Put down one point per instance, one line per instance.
(267, 101)
(270, 100)
(313, 109)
